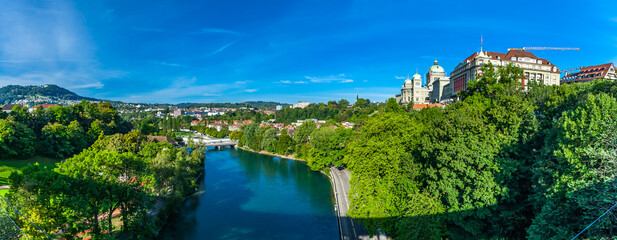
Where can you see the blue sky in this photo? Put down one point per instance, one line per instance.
(286, 51)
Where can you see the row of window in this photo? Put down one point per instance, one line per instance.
(536, 67)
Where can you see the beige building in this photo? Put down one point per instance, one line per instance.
(535, 68)
(414, 91)
(300, 104)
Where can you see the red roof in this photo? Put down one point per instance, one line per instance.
(589, 73)
(422, 106)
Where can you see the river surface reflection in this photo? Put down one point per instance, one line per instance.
(245, 195)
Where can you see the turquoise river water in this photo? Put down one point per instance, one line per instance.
(245, 195)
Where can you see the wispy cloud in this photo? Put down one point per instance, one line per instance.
(399, 77)
(295, 82)
(68, 79)
(337, 79)
(221, 49)
(189, 89)
(218, 30)
(48, 44)
(243, 82)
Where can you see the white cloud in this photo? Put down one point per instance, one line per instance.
(243, 82)
(399, 77)
(337, 79)
(187, 89)
(97, 85)
(221, 49)
(48, 43)
(295, 82)
(67, 79)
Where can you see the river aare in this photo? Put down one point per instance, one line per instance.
(244, 195)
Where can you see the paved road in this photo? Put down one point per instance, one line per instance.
(350, 229)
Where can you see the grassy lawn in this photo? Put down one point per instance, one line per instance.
(10, 165)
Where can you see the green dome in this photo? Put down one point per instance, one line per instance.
(417, 76)
(436, 68)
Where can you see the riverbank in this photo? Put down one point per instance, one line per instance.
(339, 179)
(273, 154)
(246, 195)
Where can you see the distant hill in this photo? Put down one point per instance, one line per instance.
(13, 93)
(254, 104)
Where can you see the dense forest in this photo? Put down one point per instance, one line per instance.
(503, 162)
(337, 111)
(111, 185)
(12, 93)
(57, 132)
(123, 186)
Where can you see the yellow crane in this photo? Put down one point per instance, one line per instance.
(541, 48)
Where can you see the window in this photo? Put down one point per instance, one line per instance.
(539, 61)
(513, 58)
(417, 99)
(498, 57)
(417, 84)
(481, 62)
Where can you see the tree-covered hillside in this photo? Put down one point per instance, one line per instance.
(253, 104)
(12, 93)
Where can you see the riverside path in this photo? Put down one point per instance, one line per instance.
(349, 229)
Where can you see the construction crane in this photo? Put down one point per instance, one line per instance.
(571, 70)
(541, 48)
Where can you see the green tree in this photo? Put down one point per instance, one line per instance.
(576, 174)
(268, 142)
(16, 140)
(285, 143)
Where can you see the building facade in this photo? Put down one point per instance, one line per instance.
(412, 91)
(587, 74)
(300, 104)
(534, 68)
(419, 91)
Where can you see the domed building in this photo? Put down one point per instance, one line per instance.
(434, 73)
(418, 91)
